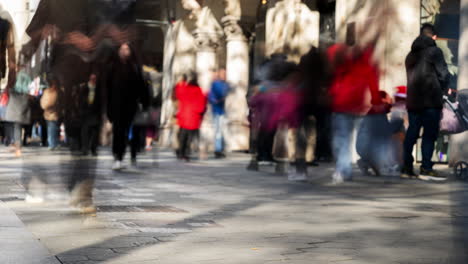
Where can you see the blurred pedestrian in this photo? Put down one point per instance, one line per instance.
(374, 141)
(427, 74)
(191, 109)
(91, 107)
(217, 98)
(49, 102)
(18, 110)
(126, 88)
(354, 76)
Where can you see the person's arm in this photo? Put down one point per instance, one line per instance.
(441, 68)
(45, 100)
(374, 85)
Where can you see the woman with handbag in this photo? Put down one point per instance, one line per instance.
(18, 110)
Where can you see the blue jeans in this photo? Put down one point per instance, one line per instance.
(343, 127)
(219, 138)
(428, 119)
(52, 134)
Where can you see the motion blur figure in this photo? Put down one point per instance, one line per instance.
(265, 103)
(90, 106)
(49, 102)
(374, 141)
(126, 89)
(354, 75)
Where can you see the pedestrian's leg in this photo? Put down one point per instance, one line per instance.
(219, 141)
(51, 134)
(183, 138)
(135, 142)
(411, 138)
(119, 141)
(85, 134)
(44, 133)
(430, 123)
(94, 138)
(301, 149)
(191, 135)
(342, 130)
(269, 143)
(17, 131)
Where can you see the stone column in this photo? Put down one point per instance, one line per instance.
(206, 62)
(237, 74)
(459, 143)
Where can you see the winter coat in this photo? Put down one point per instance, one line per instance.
(217, 96)
(276, 106)
(353, 80)
(90, 105)
(427, 75)
(126, 89)
(49, 102)
(192, 106)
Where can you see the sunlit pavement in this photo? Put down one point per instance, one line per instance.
(217, 212)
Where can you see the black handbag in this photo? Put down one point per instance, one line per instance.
(149, 117)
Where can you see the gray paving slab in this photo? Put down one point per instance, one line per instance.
(215, 211)
(17, 244)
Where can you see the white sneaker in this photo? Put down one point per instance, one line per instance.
(297, 177)
(337, 178)
(117, 165)
(32, 199)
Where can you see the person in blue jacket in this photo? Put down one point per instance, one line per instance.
(217, 98)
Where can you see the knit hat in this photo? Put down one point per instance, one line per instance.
(400, 92)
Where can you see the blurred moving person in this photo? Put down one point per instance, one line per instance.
(18, 110)
(427, 74)
(192, 107)
(217, 98)
(399, 123)
(354, 75)
(91, 106)
(374, 141)
(126, 88)
(49, 102)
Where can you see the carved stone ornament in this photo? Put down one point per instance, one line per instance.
(232, 29)
(206, 41)
(232, 8)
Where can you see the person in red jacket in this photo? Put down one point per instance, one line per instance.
(354, 78)
(192, 106)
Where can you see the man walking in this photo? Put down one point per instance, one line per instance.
(217, 98)
(427, 80)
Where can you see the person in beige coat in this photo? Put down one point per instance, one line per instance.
(49, 102)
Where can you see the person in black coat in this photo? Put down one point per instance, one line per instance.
(126, 89)
(91, 108)
(427, 75)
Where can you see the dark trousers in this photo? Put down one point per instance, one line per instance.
(44, 141)
(185, 138)
(323, 146)
(90, 134)
(120, 132)
(265, 143)
(428, 120)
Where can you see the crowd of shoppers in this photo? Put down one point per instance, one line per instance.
(336, 92)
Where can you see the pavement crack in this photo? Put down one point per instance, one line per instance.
(58, 259)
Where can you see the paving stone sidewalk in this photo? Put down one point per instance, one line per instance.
(215, 211)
